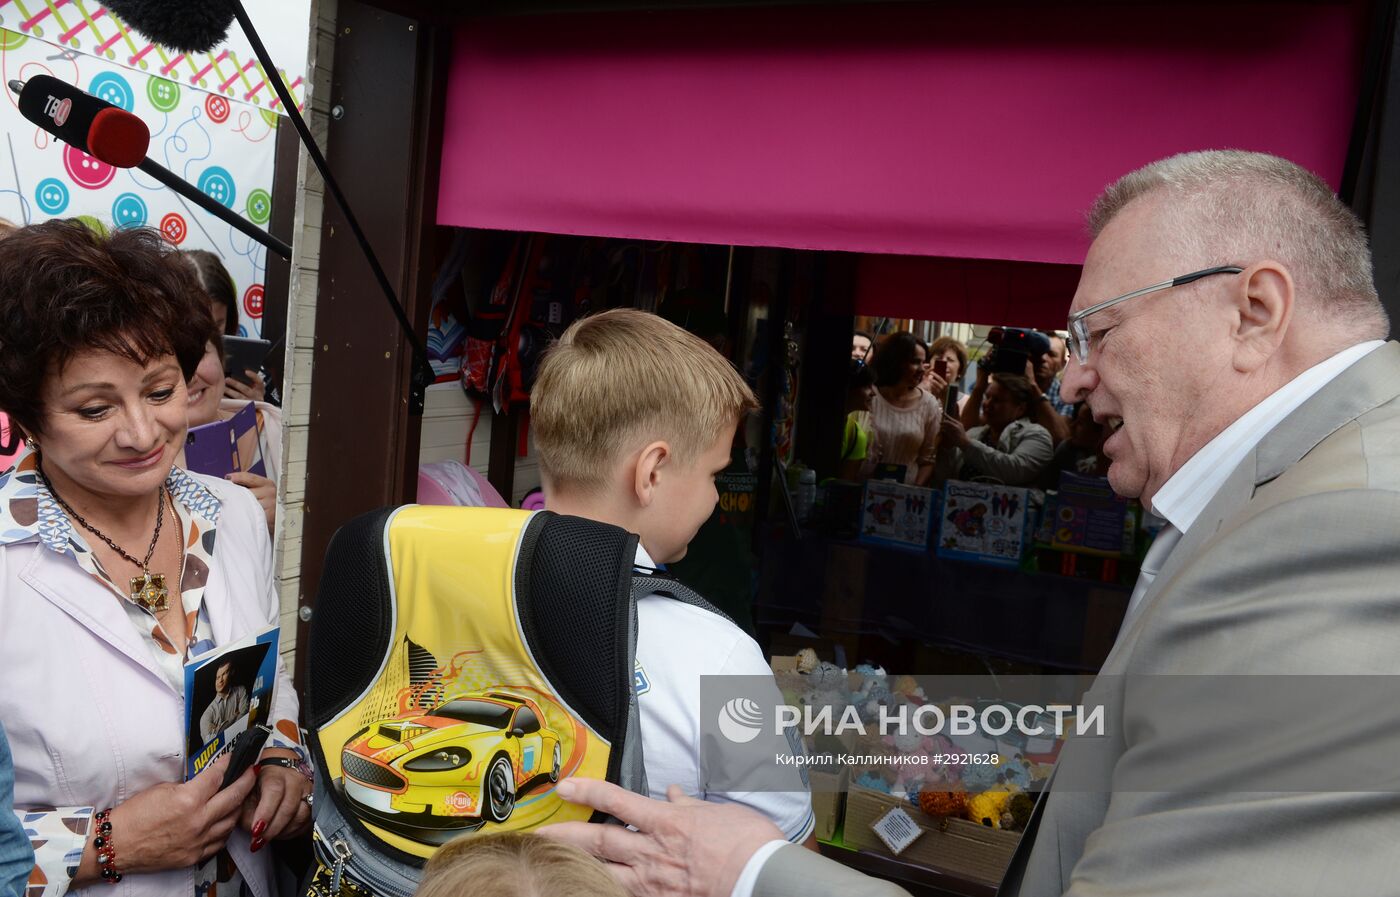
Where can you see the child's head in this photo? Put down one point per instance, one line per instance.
(515, 863)
(632, 417)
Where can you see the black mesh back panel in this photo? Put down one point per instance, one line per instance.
(573, 588)
(351, 626)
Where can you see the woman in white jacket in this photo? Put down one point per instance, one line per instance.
(117, 567)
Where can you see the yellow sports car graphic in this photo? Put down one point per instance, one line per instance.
(455, 767)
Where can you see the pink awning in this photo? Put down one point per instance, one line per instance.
(949, 130)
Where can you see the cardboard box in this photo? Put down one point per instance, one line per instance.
(828, 800)
(955, 846)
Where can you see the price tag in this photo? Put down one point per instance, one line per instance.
(897, 829)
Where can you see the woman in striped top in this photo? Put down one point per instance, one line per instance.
(906, 418)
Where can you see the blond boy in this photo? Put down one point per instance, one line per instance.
(633, 418)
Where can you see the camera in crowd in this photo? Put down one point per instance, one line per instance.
(1014, 346)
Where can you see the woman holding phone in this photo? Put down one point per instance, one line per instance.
(948, 366)
(217, 285)
(116, 568)
(208, 404)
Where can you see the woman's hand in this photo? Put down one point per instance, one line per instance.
(263, 489)
(171, 826)
(278, 807)
(254, 391)
(984, 376)
(935, 385)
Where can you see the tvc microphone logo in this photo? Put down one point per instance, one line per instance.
(740, 720)
(58, 110)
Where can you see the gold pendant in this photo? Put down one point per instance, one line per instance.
(149, 591)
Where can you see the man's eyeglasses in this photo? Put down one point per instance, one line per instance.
(1079, 330)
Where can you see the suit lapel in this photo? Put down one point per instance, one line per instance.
(50, 575)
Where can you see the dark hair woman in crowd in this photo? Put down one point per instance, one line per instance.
(208, 391)
(117, 567)
(217, 284)
(905, 416)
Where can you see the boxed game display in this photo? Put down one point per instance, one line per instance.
(895, 514)
(984, 522)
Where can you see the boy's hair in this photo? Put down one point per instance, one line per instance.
(624, 377)
(516, 863)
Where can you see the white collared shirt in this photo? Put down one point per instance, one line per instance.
(1183, 497)
(677, 644)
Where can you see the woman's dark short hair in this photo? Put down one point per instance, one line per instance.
(1021, 389)
(896, 351)
(216, 282)
(65, 289)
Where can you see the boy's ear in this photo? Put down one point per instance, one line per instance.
(650, 462)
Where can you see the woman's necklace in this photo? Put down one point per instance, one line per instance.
(148, 589)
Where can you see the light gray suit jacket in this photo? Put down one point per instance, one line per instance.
(794, 871)
(1293, 568)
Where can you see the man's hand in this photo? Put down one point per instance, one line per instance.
(685, 848)
(951, 433)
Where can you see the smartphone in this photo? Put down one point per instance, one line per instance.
(950, 402)
(243, 752)
(940, 367)
(243, 353)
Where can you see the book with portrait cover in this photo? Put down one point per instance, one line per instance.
(227, 691)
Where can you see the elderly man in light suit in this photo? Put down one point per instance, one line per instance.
(1227, 329)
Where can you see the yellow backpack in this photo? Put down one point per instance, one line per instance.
(461, 662)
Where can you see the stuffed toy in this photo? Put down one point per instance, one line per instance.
(908, 688)
(1019, 809)
(987, 808)
(943, 804)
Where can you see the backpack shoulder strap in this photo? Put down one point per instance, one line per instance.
(579, 619)
(644, 584)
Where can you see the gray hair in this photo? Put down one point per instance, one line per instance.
(1236, 207)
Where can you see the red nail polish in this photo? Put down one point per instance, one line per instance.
(257, 845)
(259, 827)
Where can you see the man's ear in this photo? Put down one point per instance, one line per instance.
(647, 474)
(1263, 305)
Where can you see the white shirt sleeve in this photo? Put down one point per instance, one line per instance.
(677, 644)
(749, 877)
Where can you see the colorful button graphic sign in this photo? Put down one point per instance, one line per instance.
(222, 144)
(129, 211)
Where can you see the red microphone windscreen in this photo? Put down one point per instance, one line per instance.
(119, 138)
